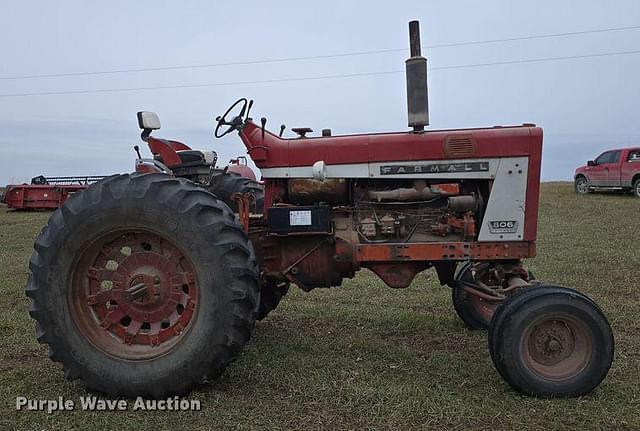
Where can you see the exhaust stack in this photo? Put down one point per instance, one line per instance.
(417, 93)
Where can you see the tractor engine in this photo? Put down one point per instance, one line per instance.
(312, 223)
(414, 211)
(397, 211)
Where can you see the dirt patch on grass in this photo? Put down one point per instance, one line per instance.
(21, 359)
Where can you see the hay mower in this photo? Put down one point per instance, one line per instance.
(45, 193)
(149, 284)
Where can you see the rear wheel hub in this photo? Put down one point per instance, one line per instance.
(134, 294)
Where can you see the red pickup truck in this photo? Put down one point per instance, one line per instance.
(613, 169)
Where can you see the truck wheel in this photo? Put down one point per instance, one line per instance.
(551, 341)
(636, 188)
(270, 296)
(475, 312)
(226, 184)
(143, 285)
(581, 185)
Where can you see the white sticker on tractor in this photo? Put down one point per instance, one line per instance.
(300, 218)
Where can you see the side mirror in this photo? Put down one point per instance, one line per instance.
(591, 163)
(148, 120)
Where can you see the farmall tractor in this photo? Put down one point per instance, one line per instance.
(150, 283)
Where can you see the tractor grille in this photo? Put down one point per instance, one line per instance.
(459, 146)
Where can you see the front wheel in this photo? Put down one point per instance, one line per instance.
(581, 185)
(475, 312)
(143, 285)
(636, 188)
(551, 341)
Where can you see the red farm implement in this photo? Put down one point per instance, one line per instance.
(45, 192)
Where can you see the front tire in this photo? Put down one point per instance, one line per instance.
(551, 341)
(143, 285)
(636, 188)
(475, 312)
(581, 185)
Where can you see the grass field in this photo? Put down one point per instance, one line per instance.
(365, 356)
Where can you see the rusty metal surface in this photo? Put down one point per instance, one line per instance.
(133, 294)
(489, 283)
(444, 251)
(244, 201)
(308, 263)
(465, 225)
(308, 191)
(557, 348)
(398, 275)
(420, 191)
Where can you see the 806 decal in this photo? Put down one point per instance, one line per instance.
(503, 226)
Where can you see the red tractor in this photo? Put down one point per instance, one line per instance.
(149, 284)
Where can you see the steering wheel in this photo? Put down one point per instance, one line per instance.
(237, 121)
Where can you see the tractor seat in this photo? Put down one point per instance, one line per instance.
(191, 156)
(197, 157)
(187, 157)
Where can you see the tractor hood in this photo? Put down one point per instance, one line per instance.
(270, 151)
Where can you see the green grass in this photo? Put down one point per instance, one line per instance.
(365, 356)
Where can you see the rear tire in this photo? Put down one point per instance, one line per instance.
(226, 184)
(193, 280)
(550, 341)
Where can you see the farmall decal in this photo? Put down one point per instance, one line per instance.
(434, 168)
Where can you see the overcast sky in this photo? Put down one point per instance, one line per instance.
(584, 105)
